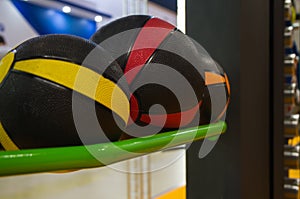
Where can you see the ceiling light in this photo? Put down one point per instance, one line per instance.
(98, 18)
(66, 9)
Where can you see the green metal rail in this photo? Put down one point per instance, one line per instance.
(97, 155)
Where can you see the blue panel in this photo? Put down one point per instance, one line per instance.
(49, 21)
(84, 8)
(170, 4)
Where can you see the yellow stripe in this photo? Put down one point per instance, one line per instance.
(80, 79)
(5, 140)
(5, 65)
(294, 173)
(294, 141)
(179, 193)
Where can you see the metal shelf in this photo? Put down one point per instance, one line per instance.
(98, 155)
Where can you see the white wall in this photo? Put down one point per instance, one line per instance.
(111, 182)
(16, 28)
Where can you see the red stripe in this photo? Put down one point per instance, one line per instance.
(134, 109)
(173, 120)
(150, 37)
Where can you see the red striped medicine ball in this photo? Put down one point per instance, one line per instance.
(173, 81)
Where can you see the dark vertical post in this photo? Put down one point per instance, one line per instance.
(215, 24)
(244, 37)
(255, 99)
(277, 52)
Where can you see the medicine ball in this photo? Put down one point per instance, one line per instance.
(38, 79)
(154, 55)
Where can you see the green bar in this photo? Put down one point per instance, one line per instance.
(79, 157)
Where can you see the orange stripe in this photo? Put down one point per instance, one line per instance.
(227, 84)
(179, 193)
(293, 131)
(224, 110)
(213, 78)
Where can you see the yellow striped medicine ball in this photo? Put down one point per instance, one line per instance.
(38, 79)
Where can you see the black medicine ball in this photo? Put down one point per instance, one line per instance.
(38, 80)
